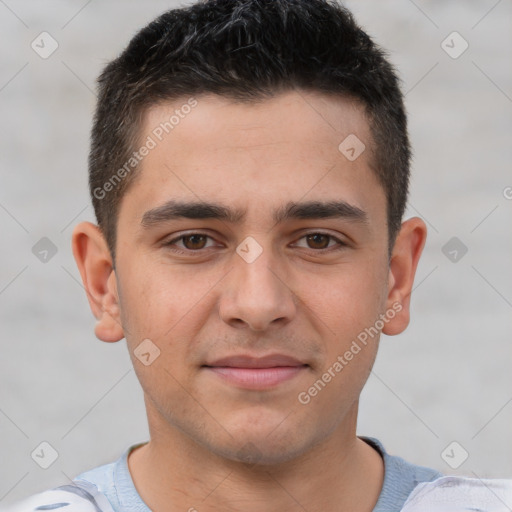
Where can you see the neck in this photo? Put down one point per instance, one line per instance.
(173, 472)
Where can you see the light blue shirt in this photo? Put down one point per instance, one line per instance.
(110, 488)
(400, 478)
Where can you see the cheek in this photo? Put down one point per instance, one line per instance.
(140, 309)
(333, 392)
(154, 301)
(346, 301)
(169, 308)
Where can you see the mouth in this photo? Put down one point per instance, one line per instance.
(257, 373)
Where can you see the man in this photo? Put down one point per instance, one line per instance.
(249, 171)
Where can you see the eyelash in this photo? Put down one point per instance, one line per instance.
(341, 244)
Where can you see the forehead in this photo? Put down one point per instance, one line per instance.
(291, 117)
(257, 155)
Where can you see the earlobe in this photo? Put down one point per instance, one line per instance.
(402, 269)
(94, 262)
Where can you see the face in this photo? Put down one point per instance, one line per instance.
(246, 313)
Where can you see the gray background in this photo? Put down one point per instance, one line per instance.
(447, 378)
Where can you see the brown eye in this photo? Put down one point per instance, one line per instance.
(190, 243)
(318, 240)
(196, 241)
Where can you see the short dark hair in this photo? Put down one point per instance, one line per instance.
(246, 50)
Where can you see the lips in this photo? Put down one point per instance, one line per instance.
(257, 373)
(270, 361)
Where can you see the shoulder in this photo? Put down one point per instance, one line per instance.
(400, 478)
(94, 490)
(103, 477)
(411, 488)
(457, 494)
(75, 497)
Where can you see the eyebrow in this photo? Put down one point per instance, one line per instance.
(173, 209)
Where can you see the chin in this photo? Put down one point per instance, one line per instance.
(265, 446)
(263, 453)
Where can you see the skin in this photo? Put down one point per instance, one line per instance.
(214, 445)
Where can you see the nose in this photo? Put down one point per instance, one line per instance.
(255, 296)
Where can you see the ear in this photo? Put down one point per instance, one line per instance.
(94, 262)
(402, 269)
